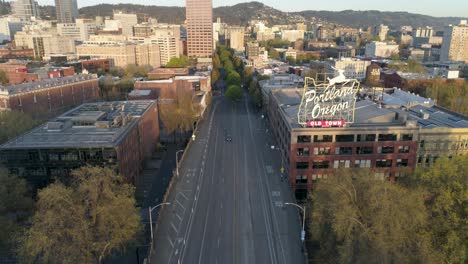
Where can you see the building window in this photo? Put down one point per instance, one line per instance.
(364, 150)
(322, 151)
(344, 150)
(387, 137)
(303, 139)
(344, 138)
(421, 144)
(321, 164)
(406, 137)
(420, 158)
(381, 175)
(341, 164)
(316, 177)
(403, 149)
(402, 163)
(366, 137)
(302, 165)
(382, 163)
(428, 160)
(53, 156)
(323, 138)
(69, 156)
(305, 152)
(385, 149)
(362, 163)
(301, 179)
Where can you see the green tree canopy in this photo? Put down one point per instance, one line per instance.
(234, 92)
(216, 62)
(134, 71)
(181, 62)
(3, 78)
(214, 76)
(291, 60)
(446, 183)
(83, 222)
(233, 78)
(360, 219)
(117, 71)
(180, 114)
(274, 54)
(15, 206)
(14, 123)
(125, 86)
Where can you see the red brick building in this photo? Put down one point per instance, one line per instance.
(18, 72)
(166, 73)
(168, 88)
(50, 96)
(388, 137)
(119, 135)
(11, 53)
(92, 65)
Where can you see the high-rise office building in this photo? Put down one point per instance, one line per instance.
(25, 9)
(67, 10)
(455, 43)
(199, 14)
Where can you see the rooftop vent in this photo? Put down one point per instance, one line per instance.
(423, 114)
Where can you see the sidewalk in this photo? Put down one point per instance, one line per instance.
(157, 175)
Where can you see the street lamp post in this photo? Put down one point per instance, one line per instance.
(150, 209)
(303, 218)
(177, 161)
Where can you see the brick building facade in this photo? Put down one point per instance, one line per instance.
(51, 96)
(120, 135)
(391, 137)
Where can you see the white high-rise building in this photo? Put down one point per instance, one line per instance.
(381, 31)
(127, 21)
(236, 38)
(455, 43)
(168, 47)
(25, 9)
(81, 30)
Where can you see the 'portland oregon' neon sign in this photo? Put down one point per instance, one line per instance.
(329, 104)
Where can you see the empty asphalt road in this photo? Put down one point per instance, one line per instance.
(226, 206)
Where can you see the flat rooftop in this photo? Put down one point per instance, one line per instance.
(44, 84)
(369, 113)
(102, 124)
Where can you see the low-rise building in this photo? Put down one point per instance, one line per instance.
(389, 136)
(168, 88)
(13, 53)
(119, 135)
(50, 96)
(122, 53)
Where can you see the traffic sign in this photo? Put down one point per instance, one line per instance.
(282, 169)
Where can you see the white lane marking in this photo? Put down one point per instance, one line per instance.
(173, 227)
(170, 242)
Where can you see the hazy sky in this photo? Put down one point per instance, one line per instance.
(427, 7)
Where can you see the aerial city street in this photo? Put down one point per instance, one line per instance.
(195, 131)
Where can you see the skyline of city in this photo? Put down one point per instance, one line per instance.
(457, 8)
